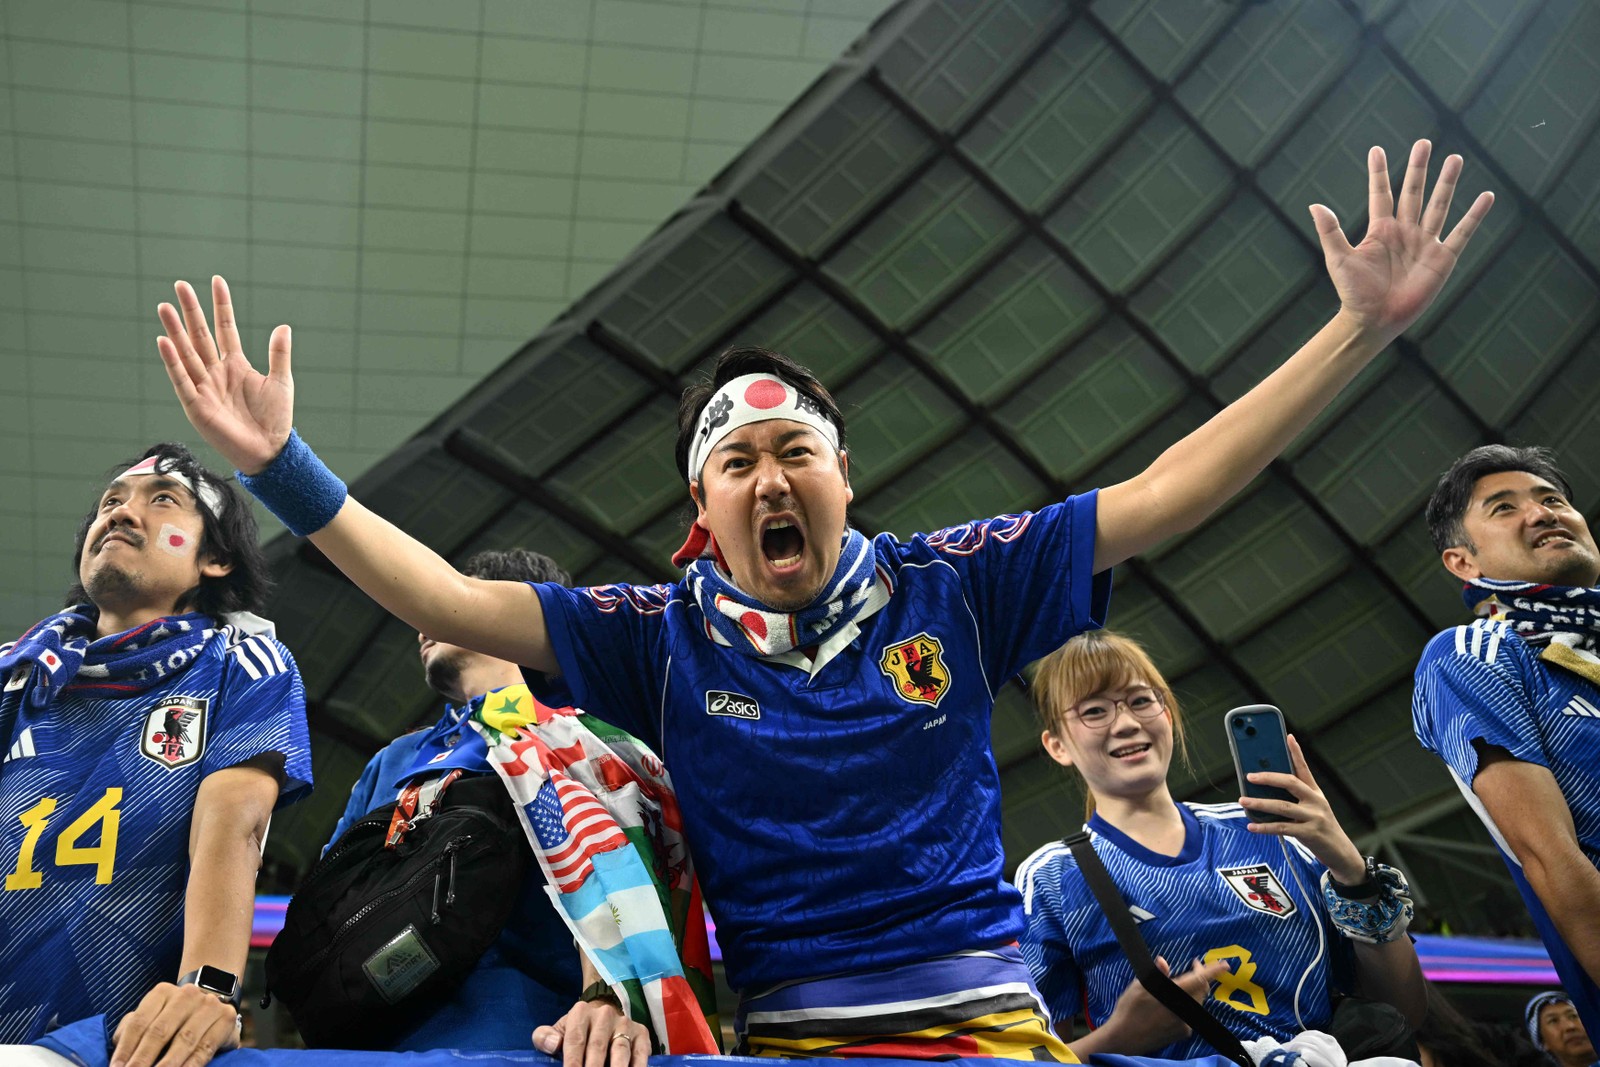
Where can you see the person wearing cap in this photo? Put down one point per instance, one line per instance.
(825, 696)
(149, 730)
(1555, 1029)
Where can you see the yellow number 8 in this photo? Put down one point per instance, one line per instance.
(1236, 983)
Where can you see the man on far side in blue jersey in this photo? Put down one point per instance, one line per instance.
(531, 974)
(825, 697)
(1511, 702)
(149, 730)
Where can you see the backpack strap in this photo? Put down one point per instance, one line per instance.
(1164, 989)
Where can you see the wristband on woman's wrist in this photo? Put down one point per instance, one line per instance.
(298, 488)
(1373, 921)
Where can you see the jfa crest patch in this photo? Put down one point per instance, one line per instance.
(174, 731)
(916, 667)
(1260, 889)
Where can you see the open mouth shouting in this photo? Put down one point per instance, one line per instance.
(782, 542)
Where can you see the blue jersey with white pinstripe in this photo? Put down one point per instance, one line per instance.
(1228, 895)
(1481, 682)
(96, 795)
(845, 811)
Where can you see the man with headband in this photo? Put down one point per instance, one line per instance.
(1555, 1029)
(825, 698)
(149, 730)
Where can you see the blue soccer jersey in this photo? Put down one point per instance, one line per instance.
(845, 814)
(1481, 682)
(96, 794)
(1229, 895)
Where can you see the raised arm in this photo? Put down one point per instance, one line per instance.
(1384, 284)
(247, 416)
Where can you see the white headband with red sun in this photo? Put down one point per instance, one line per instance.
(747, 399)
(209, 496)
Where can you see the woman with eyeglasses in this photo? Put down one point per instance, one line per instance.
(1237, 912)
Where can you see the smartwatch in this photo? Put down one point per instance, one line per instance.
(216, 981)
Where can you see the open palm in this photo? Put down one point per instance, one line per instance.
(1397, 270)
(243, 414)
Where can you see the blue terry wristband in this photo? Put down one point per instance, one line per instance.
(298, 488)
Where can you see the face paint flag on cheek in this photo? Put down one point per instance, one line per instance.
(173, 540)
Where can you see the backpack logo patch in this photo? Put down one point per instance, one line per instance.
(1260, 889)
(174, 733)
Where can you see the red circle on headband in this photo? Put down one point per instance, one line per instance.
(765, 393)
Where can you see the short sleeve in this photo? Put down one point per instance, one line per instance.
(1029, 579)
(1046, 949)
(261, 709)
(606, 638)
(1469, 688)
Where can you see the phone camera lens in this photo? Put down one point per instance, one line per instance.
(1249, 731)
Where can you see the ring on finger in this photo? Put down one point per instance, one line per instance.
(622, 1037)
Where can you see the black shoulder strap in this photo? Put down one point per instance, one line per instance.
(1159, 985)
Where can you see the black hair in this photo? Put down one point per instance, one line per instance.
(1447, 507)
(515, 565)
(230, 537)
(1449, 1036)
(735, 363)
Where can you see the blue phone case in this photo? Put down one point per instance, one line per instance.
(1257, 738)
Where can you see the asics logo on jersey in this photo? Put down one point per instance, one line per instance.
(1260, 889)
(720, 702)
(1579, 706)
(174, 733)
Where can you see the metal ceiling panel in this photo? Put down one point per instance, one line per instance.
(1029, 245)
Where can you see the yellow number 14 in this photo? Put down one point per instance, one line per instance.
(102, 857)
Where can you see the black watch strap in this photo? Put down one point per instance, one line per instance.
(216, 981)
(600, 990)
(1365, 889)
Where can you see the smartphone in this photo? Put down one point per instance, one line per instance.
(1258, 739)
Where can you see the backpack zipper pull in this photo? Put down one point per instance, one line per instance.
(450, 891)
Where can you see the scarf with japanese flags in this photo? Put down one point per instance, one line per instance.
(599, 810)
(1562, 621)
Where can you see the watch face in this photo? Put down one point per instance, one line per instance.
(216, 980)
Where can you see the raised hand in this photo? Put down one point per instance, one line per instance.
(1391, 277)
(242, 413)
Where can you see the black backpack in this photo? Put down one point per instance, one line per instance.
(376, 937)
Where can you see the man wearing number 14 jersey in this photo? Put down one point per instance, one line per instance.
(149, 730)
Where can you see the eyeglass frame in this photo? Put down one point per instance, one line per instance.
(1158, 701)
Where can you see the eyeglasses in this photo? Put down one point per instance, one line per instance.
(1099, 713)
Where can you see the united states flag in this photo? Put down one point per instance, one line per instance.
(571, 826)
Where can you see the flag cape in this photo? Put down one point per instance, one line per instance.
(602, 818)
